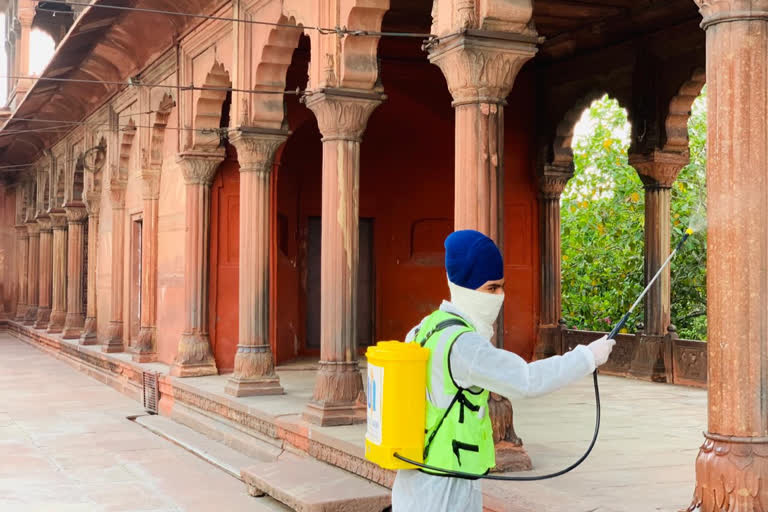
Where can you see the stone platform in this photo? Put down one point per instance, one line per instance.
(644, 459)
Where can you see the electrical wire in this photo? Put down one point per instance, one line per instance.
(133, 82)
(341, 31)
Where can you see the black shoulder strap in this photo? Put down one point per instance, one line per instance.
(450, 322)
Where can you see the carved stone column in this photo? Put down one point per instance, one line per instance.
(33, 272)
(658, 171)
(114, 339)
(551, 185)
(480, 69)
(732, 466)
(59, 281)
(342, 116)
(73, 325)
(46, 269)
(194, 357)
(90, 336)
(254, 366)
(22, 261)
(145, 349)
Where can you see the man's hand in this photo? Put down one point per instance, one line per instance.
(601, 349)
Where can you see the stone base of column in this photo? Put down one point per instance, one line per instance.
(648, 362)
(254, 373)
(548, 342)
(43, 318)
(511, 457)
(338, 398)
(30, 316)
(73, 326)
(89, 336)
(21, 310)
(194, 358)
(731, 474)
(114, 340)
(144, 352)
(56, 325)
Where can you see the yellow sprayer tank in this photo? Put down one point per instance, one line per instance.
(397, 381)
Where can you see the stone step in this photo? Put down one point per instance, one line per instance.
(216, 453)
(308, 485)
(231, 434)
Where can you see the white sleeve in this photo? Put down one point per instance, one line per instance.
(475, 362)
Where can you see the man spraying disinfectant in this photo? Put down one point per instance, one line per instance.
(462, 368)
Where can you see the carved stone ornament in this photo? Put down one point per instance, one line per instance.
(553, 180)
(199, 167)
(719, 11)
(660, 168)
(341, 113)
(150, 184)
(256, 149)
(91, 200)
(479, 68)
(58, 220)
(76, 213)
(731, 474)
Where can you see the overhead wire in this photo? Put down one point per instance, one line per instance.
(341, 31)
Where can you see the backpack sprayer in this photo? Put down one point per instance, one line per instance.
(397, 376)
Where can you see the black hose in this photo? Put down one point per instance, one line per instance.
(462, 474)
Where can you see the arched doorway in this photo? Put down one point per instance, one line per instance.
(224, 262)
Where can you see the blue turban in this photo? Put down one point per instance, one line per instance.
(472, 259)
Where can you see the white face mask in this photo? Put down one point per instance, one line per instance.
(482, 308)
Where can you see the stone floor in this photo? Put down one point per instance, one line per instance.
(66, 445)
(643, 461)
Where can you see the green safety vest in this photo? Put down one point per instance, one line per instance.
(459, 435)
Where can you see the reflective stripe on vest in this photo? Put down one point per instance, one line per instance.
(459, 434)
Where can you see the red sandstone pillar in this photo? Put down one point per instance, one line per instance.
(33, 272)
(254, 365)
(145, 349)
(658, 171)
(342, 116)
(194, 357)
(22, 247)
(732, 466)
(114, 339)
(59, 281)
(73, 325)
(89, 336)
(551, 185)
(480, 70)
(46, 268)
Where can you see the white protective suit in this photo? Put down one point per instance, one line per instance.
(476, 362)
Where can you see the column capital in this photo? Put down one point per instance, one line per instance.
(256, 148)
(58, 220)
(481, 67)
(45, 223)
(150, 184)
(92, 203)
(33, 228)
(22, 231)
(720, 11)
(552, 181)
(76, 212)
(199, 167)
(343, 113)
(660, 168)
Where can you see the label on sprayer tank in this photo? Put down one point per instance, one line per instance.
(375, 402)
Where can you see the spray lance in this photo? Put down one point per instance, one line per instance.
(611, 335)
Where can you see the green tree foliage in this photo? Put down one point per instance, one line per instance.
(602, 227)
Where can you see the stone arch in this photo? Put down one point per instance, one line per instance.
(93, 163)
(271, 68)
(157, 138)
(59, 187)
(359, 63)
(208, 108)
(676, 123)
(561, 153)
(124, 156)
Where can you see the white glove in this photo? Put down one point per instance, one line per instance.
(601, 349)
